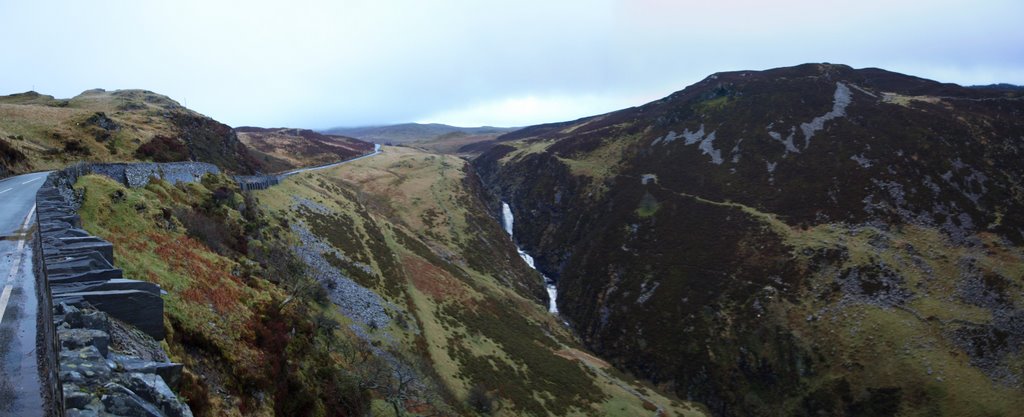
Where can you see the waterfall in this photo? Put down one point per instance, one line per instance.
(507, 221)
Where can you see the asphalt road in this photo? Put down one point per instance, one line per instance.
(20, 393)
(376, 150)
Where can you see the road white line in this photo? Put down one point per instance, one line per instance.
(34, 179)
(4, 298)
(15, 267)
(4, 191)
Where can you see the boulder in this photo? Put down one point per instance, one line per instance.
(74, 412)
(169, 371)
(76, 397)
(87, 319)
(121, 401)
(152, 388)
(80, 338)
(83, 366)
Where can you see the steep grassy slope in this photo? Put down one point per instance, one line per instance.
(813, 240)
(453, 294)
(254, 331)
(110, 126)
(285, 149)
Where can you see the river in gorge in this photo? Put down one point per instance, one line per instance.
(507, 220)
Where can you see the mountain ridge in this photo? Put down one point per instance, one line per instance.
(410, 132)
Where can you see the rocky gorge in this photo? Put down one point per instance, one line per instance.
(759, 239)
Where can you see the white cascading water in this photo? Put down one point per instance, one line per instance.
(507, 221)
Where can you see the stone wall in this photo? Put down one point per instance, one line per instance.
(88, 295)
(256, 182)
(138, 174)
(46, 340)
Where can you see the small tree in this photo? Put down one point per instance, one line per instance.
(480, 400)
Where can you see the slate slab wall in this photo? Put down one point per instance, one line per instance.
(79, 267)
(137, 174)
(46, 339)
(256, 182)
(82, 288)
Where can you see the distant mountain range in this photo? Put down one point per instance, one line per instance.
(412, 132)
(1000, 86)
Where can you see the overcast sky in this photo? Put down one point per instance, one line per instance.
(318, 64)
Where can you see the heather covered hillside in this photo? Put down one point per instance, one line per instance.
(283, 149)
(812, 240)
(112, 126)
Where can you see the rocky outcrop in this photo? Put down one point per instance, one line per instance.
(211, 141)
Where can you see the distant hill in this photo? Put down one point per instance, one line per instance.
(1009, 88)
(285, 148)
(39, 131)
(413, 132)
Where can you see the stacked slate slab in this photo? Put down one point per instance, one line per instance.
(86, 288)
(256, 182)
(80, 268)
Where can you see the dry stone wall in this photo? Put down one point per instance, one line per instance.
(88, 293)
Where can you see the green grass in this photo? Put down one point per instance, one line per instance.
(907, 347)
(648, 206)
(715, 104)
(602, 164)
